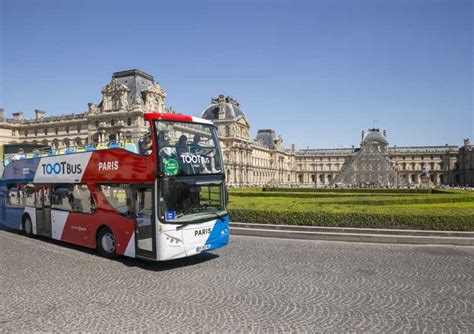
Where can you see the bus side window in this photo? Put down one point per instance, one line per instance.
(81, 199)
(29, 195)
(61, 199)
(12, 196)
(74, 198)
(118, 198)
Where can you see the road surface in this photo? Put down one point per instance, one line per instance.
(254, 284)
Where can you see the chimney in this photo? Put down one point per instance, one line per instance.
(39, 113)
(293, 147)
(385, 133)
(18, 116)
(363, 133)
(2, 114)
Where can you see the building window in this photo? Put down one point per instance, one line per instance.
(67, 129)
(112, 122)
(96, 124)
(45, 132)
(56, 130)
(227, 131)
(78, 129)
(36, 133)
(129, 121)
(26, 133)
(13, 133)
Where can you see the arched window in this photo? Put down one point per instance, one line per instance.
(115, 102)
(112, 122)
(36, 133)
(129, 121)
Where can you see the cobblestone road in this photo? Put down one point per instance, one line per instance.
(254, 284)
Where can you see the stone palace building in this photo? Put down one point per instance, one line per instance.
(263, 160)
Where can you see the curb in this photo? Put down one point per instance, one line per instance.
(414, 237)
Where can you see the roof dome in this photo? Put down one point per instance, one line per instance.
(374, 135)
(229, 106)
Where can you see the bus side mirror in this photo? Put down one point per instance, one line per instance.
(165, 186)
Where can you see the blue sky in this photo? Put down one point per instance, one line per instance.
(318, 72)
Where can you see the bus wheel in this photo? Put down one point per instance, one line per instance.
(106, 244)
(27, 226)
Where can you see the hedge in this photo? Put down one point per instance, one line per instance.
(366, 220)
(355, 190)
(351, 199)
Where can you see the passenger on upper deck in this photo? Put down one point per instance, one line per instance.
(19, 155)
(146, 145)
(162, 141)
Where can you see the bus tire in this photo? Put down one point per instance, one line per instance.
(27, 226)
(106, 243)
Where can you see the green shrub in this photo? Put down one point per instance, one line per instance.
(453, 210)
(367, 220)
(353, 190)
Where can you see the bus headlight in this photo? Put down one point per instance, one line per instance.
(172, 241)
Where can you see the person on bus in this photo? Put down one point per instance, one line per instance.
(182, 145)
(20, 155)
(182, 153)
(162, 141)
(197, 150)
(146, 144)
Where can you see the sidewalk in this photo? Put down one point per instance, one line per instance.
(422, 237)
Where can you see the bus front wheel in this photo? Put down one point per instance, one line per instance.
(106, 244)
(27, 226)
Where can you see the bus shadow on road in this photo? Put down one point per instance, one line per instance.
(127, 261)
(167, 265)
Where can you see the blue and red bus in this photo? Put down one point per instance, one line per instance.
(160, 197)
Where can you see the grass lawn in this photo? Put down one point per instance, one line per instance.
(443, 210)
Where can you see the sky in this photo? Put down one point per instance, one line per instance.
(317, 72)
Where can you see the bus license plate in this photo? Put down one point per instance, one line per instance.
(203, 248)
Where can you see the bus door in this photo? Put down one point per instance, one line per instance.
(145, 237)
(43, 210)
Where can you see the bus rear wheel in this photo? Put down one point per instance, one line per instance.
(106, 244)
(27, 226)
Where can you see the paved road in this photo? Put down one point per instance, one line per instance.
(253, 284)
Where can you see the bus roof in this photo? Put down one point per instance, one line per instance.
(176, 117)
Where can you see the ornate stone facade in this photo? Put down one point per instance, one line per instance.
(264, 160)
(119, 115)
(261, 161)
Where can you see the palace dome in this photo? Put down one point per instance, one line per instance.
(229, 106)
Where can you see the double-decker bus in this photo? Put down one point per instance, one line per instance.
(158, 198)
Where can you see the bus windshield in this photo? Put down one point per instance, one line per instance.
(187, 148)
(189, 201)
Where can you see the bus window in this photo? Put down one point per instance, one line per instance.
(74, 198)
(27, 195)
(118, 197)
(12, 196)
